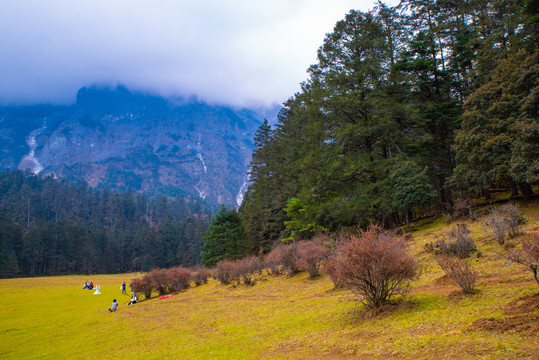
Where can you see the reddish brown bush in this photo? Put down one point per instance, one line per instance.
(159, 280)
(178, 278)
(310, 256)
(528, 255)
(331, 270)
(273, 260)
(225, 272)
(375, 266)
(200, 275)
(283, 257)
(143, 285)
(246, 269)
(460, 271)
(290, 258)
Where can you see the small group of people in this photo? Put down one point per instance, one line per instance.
(89, 285)
(123, 287)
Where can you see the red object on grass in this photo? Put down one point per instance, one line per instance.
(165, 297)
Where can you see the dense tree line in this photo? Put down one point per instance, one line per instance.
(48, 227)
(407, 109)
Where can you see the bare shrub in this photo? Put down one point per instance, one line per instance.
(310, 256)
(178, 278)
(513, 219)
(159, 280)
(283, 257)
(273, 260)
(246, 269)
(289, 259)
(460, 271)
(375, 266)
(330, 268)
(495, 227)
(462, 208)
(225, 272)
(143, 285)
(462, 244)
(200, 275)
(528, 255)
(502, 222)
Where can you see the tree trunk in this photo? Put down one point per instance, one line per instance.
(514, 190)
(526, 190)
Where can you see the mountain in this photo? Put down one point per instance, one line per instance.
(124, 140)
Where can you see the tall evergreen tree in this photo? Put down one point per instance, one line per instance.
(225, 239)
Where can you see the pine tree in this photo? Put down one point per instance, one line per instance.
(225, 239)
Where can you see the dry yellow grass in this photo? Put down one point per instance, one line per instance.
(278, 318)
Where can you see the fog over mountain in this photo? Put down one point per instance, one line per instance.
(134, 141)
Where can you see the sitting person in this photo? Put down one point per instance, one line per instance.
(97, 292)
(114, 306)
(133, 300)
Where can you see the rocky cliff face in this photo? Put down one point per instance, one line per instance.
(124, 140)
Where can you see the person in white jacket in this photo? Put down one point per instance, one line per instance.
(97, 292)
(133, 300)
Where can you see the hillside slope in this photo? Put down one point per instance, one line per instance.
(284, 318)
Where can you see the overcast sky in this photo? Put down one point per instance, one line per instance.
(238, 52)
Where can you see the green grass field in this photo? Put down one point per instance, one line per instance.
(280, 317)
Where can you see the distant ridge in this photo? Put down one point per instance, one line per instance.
(124, 140)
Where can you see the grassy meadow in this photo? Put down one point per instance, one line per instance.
(282, 317)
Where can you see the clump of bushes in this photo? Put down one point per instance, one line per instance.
(163, 281)
(200, 275)
(528, 255)
(225, 272)
(374, 265)
(283, 257)
(460, 271)
(504, 222)
(272, 260)
(143, 285)
(159, 279)
(310, 255)
(289, 259)
(246, 269)
(305, 255)
(178, 278)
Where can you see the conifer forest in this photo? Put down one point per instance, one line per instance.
(407, 111)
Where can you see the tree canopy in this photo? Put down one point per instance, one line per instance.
(405, 107)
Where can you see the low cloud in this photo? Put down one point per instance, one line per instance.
(229, 51)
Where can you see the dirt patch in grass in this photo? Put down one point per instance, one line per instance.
(528, 324)
(524, 317)
(524, 304)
